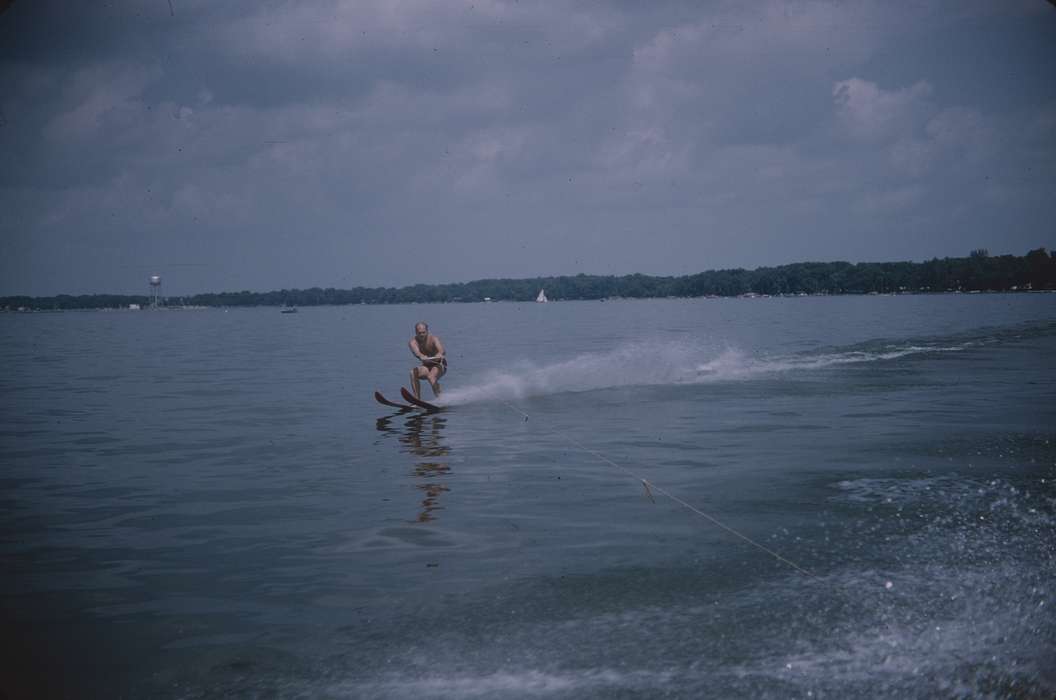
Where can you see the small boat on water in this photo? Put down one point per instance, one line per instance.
(288, 310)
(541, 299)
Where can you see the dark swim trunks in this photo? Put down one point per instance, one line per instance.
(442, 364)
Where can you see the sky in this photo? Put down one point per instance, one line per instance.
(341, 143)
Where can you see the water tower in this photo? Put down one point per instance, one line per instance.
(155, 290)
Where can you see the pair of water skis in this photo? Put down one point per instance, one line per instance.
(411, 404)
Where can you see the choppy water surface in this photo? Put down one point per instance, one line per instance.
(210, 503)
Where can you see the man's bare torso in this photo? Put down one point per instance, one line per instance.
(429, 348)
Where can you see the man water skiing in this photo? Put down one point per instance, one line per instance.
(427, 348)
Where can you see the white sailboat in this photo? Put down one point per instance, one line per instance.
(541, 299)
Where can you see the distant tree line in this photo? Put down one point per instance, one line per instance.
(978, 272)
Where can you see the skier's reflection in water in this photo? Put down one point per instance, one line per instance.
(422, 436)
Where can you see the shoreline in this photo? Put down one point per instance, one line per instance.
(707, 297)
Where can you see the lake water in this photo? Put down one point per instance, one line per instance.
(209, 503)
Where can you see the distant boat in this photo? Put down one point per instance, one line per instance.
(288, 310)
(542, 297)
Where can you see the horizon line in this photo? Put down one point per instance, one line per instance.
(538, 277)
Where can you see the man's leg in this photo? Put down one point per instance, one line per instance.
(434, 380)
(416, 388)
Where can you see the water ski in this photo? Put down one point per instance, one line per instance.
(408, 396)
(385, 402)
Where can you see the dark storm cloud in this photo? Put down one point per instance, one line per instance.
(341, 143)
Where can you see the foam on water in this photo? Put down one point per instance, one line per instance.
(951, 605)
(631, 364)
(521, 683)
(662, 363)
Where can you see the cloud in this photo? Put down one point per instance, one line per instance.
(343, 29)
(892, 200)
(912, 156)
(754, 32)
(867, 112)
(746, 73)
(956, 137)
(104, 97)
(392, 105)
(754, 132)
(959, 127)
(481, 164)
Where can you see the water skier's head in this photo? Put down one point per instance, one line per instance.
(421, 330)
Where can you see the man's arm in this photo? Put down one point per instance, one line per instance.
(415, 350)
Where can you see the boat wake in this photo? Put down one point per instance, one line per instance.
(665, 363)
